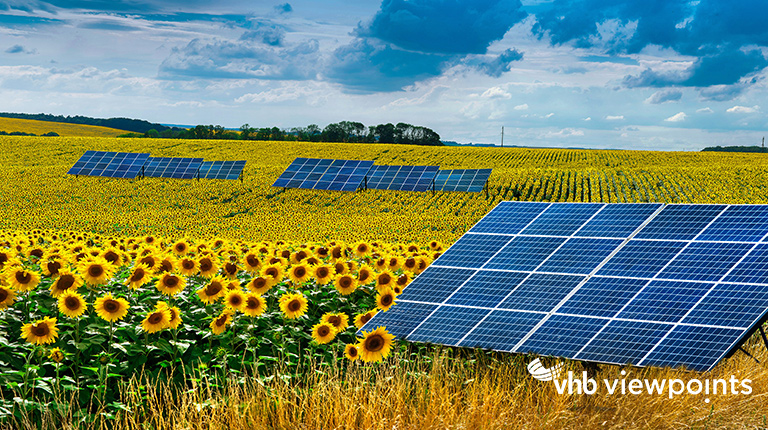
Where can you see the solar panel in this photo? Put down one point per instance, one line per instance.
(172, 167)
(469, 180)
(221, 169)
(324, 174)
(109, 164)
(401, 178)
(641, 284)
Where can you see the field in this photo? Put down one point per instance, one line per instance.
(211, 338)
(39, 128)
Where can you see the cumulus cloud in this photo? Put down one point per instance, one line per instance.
(743, 109)
(495, 92)
(566, 132)
(523, 106)
(266, 33)
(614, 117)
(678, 117)
(704, 110)
(664, 96)
(502, 63)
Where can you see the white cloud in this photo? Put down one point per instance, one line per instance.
(704, 110)
(566, 132)
(743, 109)
(680, 116)
(589, 118)
(549, 115)
(523, 106)
(614, 117)
(496, 92)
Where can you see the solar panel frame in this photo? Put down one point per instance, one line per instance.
(125, 165)
(172, 167)
(228, 169)
(324, 174)
(464, 180)
(657, 330)
(401, 178)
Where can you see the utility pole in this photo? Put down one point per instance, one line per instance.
(502, 137)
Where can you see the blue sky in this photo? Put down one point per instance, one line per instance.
(653, 74)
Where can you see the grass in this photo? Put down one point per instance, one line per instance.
(63, 129)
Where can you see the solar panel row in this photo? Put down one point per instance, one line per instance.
(401, 178)
(130, 165)
(646, 284)
(323, 174)
(109, 164)
(170, 167)
(468, 180)
(221, 169)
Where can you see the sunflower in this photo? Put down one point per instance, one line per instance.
(254, 305)
(213, 291)
(323, 332)
(139, 276)
(21, 279)
(220, 323)
(345, 284)
(404, 279)
(175, 312)
(385, 299)
(361, 319)
(167, 264)
(298, 256)
(365, 275)
(96, 270)
(435, 245)
(110, 308)
(423, 263)
(273, 273)
(112, 256)
(7, 297)
(322, 252)
(375, 345)
(298, 273)
(188, 266)
(313, 261)
(259, 285)
(52, 267)
(337, 252)
(156, 320)
(40, 332)
(251, 262)
(180, 247)
(323, 274)
(170, 284)
(234, 300)
(341, 268)
(293, 305)
(151, 260)
(339, 321)
(72, 304)
(384, 279)
(394, 263)
(362, 249)
(56, 355)
(351, 352)
(5, 256)
(208, 266)
(413, 248)
(67, 281)
(230, 270)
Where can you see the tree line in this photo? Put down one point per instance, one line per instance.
(344, 131)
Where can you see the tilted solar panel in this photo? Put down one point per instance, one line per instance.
(641, 284)
(324, 174)
(401, 178)
(468, 180)
(172, 167)
(109, 164)
(230, 170)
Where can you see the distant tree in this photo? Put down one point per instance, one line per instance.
(246, 132)
(334, 132)
(152, 133)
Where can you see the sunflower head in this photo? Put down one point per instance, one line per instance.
(72, 304)
(351, 352)
(345, 284)
(251, 262)
(340, 267)
(230, 270)
(170, 284)
(21, 279)
(254, 305)
(299, 273)
(365, 275)
(66, 281)
(384, 279)
(111, 308)
(112, 256)
(56, 355)
(156, 320)
(293, 305)
(362, 319)
(323, 332)
(52, 267)
(188, 266)
(167, 264)
(234, 299)
(96, 270)
(215, 289)
(339, 321)
(362, 249)
(40, 332)
(259, 285)
(175, 313)
(220, 323)
(7, 297)
(139, 276)
(208, 266)
(273, 273)
(385, 299)
(375, 345)
(323, 274)
(404, 279)
(180, 247)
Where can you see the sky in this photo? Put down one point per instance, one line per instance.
(645, 74)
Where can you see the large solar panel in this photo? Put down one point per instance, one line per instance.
(221, 169)
(109, 164)
(469, 180)
(646, 284)
(324, 174)
(401, 178)
(172, 167)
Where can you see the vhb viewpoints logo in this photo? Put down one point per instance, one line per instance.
(541, 373)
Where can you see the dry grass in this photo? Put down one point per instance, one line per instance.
(440, 393)
(63, 129)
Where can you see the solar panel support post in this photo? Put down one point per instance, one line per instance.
(750, 355)
(765, 339)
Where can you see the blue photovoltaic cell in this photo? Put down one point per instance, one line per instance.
(324, 174)
(665, 301)
(448, 325)
(680, 222)
(562, 219)
(486, 288)
(401, 178)
(705, 261)
(641, 259)
(731, 305)
(400, 319)
(623, 342)
(468, 180)
(502, 330)
(230, 170)
(742, 223)
(696, 348)
(579, 255)
(562, 336)
(435, 284)
(524, 253)
(541, 292)
(172, 167)
(509, 217)
(753, 269)
(602, 297)
(618, 220)
(473, 250)
(109, 164)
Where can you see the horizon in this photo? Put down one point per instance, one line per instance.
(563, 73)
